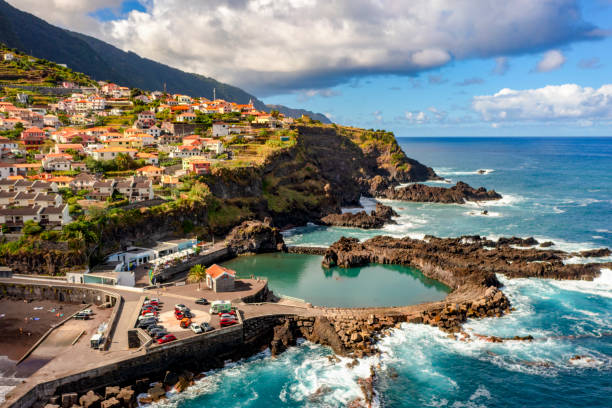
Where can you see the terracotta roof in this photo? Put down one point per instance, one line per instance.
(216, 270)
(148, 169)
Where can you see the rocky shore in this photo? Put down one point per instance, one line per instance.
(376, 219)
(458, 194)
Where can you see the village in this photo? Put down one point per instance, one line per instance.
(107, 146)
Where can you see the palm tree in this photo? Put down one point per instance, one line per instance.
(197, 273)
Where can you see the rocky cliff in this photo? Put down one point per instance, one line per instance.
(376, 219)
(458, 194)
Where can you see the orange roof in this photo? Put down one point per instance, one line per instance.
(15, 177)
(28, 165)
(69, 146)
(115, 149)
(61, 179)
(216, 270)
(148, 169)
(191, 137)
(144, 155)
(33, 129)
(49, 155)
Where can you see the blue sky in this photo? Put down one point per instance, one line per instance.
(378, 101)
(427, 69)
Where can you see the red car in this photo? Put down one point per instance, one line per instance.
(145, 311)
(166, 339)
(228, 322)
(232, 312)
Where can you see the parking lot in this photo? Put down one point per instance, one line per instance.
(167, 319)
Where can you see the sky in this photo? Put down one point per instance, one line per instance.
(417, 68)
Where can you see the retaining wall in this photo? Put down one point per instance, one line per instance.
(175, 272)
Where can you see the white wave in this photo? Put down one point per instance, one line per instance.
(481, 214)
(600, 286)
(603, 231)
(557, 210)
(507, 200)
(449, 172)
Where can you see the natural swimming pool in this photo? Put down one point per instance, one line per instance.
(302, 276)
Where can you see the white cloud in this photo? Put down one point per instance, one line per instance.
(272, 46)
(569, 102)
(417, 117)
(550, 61)
(71, 14)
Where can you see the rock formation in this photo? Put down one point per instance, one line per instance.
(458, 194)
(255, 237)
(376, 219)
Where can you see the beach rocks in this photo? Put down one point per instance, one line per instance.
(458, 194)
(255, 237)
(376, 219)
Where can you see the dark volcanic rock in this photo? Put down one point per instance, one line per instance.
(255, 237)
(376, 219)
(283, 338)
(458, 194)
(458, 261)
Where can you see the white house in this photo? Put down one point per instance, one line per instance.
(220, 129)
(9, 56)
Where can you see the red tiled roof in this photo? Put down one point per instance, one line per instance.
(215, 271)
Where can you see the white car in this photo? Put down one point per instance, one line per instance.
(195, 328)
(147, 316)
(88, 312)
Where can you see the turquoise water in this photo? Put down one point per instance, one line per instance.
(303, 277)
(554, 188)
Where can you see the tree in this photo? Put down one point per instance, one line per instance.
(31, 227)
(197, 273)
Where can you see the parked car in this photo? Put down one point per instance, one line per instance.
(156, 300)
(230, 312)
(159, 333)
(181, 315)
(206, 327)
(196, 328)
(149, 314)
(151, 302)
(228, 322)
(166, 338)
(146, 323)
(154, 327)
(180, 307)
(185, 322)
(201, 301)
(81, 316)
(227, 316)
(88, 312)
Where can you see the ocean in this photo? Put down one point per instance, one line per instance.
(557, 189)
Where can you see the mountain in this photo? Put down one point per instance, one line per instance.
(102, 61)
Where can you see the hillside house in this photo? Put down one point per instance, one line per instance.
(33, 138)
(110, 153)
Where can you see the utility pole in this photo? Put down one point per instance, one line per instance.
(214, 94)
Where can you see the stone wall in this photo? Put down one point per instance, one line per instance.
(57, 292)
